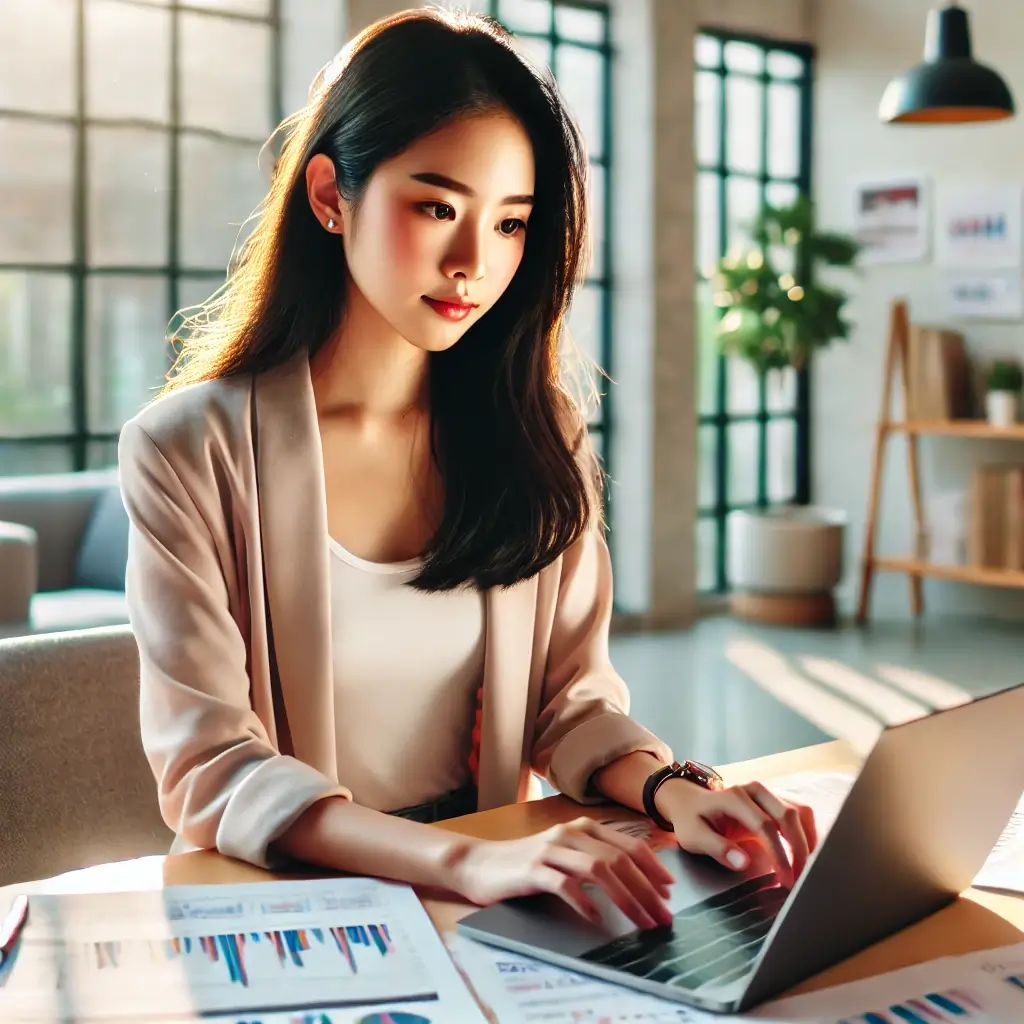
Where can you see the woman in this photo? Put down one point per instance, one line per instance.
(366, 570)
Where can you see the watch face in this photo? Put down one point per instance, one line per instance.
(706, 775)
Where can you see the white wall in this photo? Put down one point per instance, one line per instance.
(860, 45)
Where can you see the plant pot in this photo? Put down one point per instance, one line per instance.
(1001, 407)
(784, 563)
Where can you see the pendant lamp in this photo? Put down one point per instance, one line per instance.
(949, 87)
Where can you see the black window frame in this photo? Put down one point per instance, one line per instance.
(82, 441)
(721, 418)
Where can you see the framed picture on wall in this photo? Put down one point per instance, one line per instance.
(891, 220)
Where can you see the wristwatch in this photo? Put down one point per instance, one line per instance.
(693, 771)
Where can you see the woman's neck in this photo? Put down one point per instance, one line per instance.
(367, 371)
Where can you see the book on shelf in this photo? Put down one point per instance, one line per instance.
(938, 374)
(996, 520)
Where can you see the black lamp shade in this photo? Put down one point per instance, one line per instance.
(949, 86)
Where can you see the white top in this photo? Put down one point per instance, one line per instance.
(395, 646)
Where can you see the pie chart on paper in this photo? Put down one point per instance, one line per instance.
(394, 1017)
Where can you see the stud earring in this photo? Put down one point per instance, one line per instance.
(330, 223)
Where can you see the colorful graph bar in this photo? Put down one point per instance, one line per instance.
(289, 945)
(955, 1005)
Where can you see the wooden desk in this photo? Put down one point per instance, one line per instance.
(979, 920)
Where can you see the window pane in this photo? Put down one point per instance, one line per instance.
(707, 456)
(221, 185)
(126, 351)
(260, 8)
(743, 391)
(707, 356)
(781, 460)
(35, 193)
(525, 15)
(585, 321)
(744, 57)
(742, 463)
(783, 130)
(707, 137)
(537, 50)
(31, 459)
(781, 193)
(708, 52)
(225, 75)
(36, 72)
(597, 211)
(128, 180)
(128, 60)
(707, 554)
(580, 77)
(743, 202)
(100, 454)
(708, 238)
(785, 65)
(577, 23)
(743, 124)
(780, 390)
(35, 353)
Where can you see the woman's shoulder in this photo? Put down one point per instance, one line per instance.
(196, 421)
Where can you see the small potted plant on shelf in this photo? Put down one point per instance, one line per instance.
(1002, 397)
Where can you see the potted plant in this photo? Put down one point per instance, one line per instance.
(784, 562)
(1002, 396)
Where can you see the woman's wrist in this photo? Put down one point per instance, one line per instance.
(675, 795)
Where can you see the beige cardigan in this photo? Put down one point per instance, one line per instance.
(228, 595)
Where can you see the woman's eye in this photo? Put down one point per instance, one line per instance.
(440, 211)
(511, 226)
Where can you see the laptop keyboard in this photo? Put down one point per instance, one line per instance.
(710, 943)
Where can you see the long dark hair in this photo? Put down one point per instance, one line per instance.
(520, 481)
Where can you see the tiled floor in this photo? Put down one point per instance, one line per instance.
(726, 691)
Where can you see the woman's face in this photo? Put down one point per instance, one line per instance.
(441, 229)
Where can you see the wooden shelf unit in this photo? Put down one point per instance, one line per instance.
(916, 566)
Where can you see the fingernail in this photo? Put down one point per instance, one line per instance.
(736, 859)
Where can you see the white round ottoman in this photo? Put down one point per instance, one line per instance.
(784, 563)
(18, 571)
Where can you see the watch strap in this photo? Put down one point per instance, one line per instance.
(654, 782)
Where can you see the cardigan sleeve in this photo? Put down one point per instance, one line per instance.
(584, 722)
(221, 782)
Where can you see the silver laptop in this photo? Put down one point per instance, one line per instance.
(922, 817)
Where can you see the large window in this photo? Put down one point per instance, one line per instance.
(752, 145)
(130, 133)
(573, 38)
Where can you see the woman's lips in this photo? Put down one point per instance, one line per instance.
(450, 310)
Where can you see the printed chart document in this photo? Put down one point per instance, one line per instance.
(332, 951)
(981, 988)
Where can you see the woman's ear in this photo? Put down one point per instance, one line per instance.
(322, 189)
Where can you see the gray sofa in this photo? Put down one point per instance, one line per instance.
(63, 552)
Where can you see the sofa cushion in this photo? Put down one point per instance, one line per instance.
(57, 610)
(103, 555)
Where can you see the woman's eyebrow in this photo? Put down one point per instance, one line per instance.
(443, 181)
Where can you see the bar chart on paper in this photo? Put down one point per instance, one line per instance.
(956, 1006)
(316, 952)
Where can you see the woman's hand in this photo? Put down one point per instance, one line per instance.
(717, 822)
(564, 859)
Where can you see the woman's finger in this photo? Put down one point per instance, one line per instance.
(810, 825)
(586, 868)
(640, 852)
(737, 804)
(545, 878)
(702, 837)
(787, 818)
